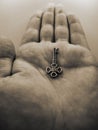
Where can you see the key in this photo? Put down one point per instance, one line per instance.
(54, 69)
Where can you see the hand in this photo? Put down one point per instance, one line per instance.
(29, 97)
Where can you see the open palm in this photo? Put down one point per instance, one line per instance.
(29, 97)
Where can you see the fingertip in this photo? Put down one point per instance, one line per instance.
(61, 26)
(72, 19)
(50, 6)
(59, 8)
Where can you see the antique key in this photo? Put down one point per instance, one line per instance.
(54, 70)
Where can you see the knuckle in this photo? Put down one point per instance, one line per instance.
(61, 32)
(76, 27)
(77, 38)
(34, 23)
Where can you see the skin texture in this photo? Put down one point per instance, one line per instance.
(29, 98)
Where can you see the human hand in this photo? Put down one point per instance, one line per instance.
(29, 97)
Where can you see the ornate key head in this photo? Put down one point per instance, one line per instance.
(54, 74)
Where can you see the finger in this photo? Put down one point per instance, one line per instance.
(33, 29)
(47, 24)
(7, 55)
(61, 26)
(77, 35)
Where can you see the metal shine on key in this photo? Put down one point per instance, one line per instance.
(54, 70)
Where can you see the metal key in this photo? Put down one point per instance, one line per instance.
(54, 70)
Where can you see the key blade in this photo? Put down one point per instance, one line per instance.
(55, 52)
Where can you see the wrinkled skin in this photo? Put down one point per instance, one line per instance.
(29, 98)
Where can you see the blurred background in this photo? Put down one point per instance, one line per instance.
(15, 14)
